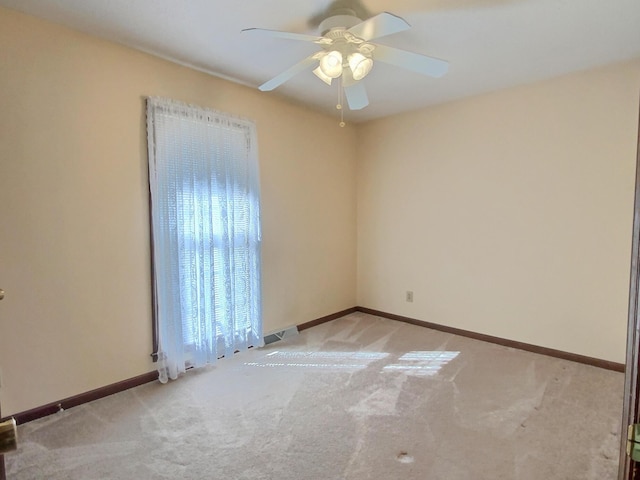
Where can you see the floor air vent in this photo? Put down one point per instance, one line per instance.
(280, 334)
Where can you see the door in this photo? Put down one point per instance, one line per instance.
(629, 469)
(2, 472)
(3, 475)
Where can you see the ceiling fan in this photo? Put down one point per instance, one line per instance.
(347, 53)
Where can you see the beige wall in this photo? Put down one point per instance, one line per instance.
(508, 214)
(74, 238)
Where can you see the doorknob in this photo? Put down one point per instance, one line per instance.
(8, 436)
(1, 294)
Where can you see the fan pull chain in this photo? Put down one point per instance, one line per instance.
(339, 105)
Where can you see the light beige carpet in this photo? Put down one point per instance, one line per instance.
(357, 398)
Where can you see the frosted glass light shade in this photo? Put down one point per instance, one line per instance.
(360, 65)
(331, 64)
(320, 74)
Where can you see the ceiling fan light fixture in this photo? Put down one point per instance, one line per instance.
(320, 74)
(360, 65)
(331, 64)
(345, 50)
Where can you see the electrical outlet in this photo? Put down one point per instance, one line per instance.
(409, 296)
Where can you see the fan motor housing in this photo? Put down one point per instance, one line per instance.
(338, 21)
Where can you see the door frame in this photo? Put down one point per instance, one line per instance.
(629, 470)
(3, 474)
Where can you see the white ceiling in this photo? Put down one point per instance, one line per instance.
(490, 44)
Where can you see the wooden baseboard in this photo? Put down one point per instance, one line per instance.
(55, 407)
(574, 357)
(81, 398)
(101, 392)
(328, 318)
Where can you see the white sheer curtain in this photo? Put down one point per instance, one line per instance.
(205, 214)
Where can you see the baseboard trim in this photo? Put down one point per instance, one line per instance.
(328, 318)
(70, 402)
(74, 401)
(574, 357)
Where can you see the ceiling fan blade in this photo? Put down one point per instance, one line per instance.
(434, 67)
(287, 35)
(356, 96)
(379, 26)
(289, 73)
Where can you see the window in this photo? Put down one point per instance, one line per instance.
(205, 215)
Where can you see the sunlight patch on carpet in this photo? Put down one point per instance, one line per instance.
(320, 360)
(422, 363)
